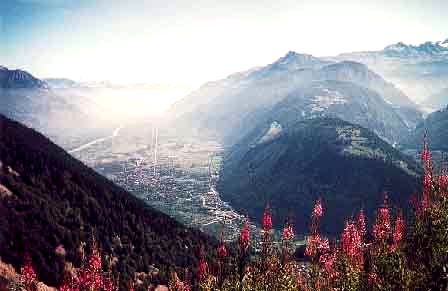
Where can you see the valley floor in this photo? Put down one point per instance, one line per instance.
(179, 180)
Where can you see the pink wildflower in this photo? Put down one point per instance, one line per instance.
(312, 245)
(244, 234)
(222, 251)
(352, 243)
(327, 261)
(361, 222)
(288, 233)
(318, 210)
(399, 228)
(28, 276)
(323, 245)
(202, 266)
(381, 228)
(267, 220)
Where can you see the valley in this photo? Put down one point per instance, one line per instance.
(223, 145)
(179, 181)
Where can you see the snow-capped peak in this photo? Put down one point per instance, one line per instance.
(399, 46)
(426, 48)
(3, 68)
(445, 43)
(294, 59)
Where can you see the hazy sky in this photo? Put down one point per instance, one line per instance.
(191, 42)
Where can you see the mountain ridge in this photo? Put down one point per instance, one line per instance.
(346, 164)
(56, 200)
(216, 107)
(14, 79)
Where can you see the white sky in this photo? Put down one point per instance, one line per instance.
(177, 42)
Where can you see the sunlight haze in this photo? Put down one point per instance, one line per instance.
(175, 42)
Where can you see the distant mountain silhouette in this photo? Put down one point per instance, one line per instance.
(64, 116)
(231, 108)
(60, 83)
(19, 79)
(419, 70)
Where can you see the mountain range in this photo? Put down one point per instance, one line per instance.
(217, 107)
(67, 118)
(330, 98)
(305, 126)
(418, 70)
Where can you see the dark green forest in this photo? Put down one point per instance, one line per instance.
(350, 169)
(58, 200)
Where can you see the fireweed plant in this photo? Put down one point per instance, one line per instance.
(389, 255)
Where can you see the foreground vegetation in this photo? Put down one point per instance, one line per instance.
(49, 199)
(387, 256)
(394, 253)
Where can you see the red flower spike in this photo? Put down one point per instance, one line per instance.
(323, 245)
(267, 219)
(202, 266)
(352, 243)
(244, 234)
(28, 275)
(222, 251)
(399, 228)
(288, 233)
(425, 155)
(202, 269)
(361, 222)
(318, 210)
(90, 276)
(312, 244)
(327, 261)
(381, 228)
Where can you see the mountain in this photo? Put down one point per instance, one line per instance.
(48, 198)
(60, 83)
(418, 70)
(436, 127)
(361, 75)
(347, 165)
(436, 101)
(19, 79)
(230, 108)
(343, 100)
(290, 63)
(65, 117)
